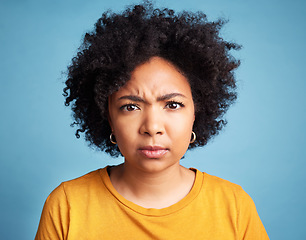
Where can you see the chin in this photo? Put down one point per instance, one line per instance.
(155, 165)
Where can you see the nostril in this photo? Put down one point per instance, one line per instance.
(151, 134)
(151, 126)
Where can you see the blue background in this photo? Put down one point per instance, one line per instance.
(262, 148)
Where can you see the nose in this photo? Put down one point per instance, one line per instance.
(152, 122)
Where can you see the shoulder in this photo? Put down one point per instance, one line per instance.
(218, 185)
(224, 193)
(215, 181)
(212, 185)
(78, 187)
(89, 178)
(65, 201)
(231, 198)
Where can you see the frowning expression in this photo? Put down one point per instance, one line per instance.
(152, 116)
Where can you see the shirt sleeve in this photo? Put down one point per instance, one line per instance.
(249, 224)
(54, 219)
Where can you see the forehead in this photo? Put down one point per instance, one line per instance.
(156, 77)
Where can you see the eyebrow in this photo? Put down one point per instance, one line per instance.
(169, 96)
(161, 98)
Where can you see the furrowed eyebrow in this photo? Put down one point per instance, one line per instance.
(161, 98)
(169, 96)
(132, 98)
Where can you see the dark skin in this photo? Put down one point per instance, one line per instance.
(121, 42)
(152, 118)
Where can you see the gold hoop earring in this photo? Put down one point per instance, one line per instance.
(111, 138)
(194, 137)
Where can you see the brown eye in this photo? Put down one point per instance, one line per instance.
(129, 107)
(174, 105)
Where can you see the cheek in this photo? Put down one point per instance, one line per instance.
(120, 130)
(123, 141)
(180, 129)
(125, 133)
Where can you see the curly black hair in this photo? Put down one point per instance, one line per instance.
(120, 42)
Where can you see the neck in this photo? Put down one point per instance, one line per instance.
(152, 189)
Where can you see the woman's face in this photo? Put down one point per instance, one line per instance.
(152, 116)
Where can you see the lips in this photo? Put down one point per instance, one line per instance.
(153, 151)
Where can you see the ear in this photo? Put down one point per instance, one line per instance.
(193, 120)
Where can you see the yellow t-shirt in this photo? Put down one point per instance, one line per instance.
(90, 208)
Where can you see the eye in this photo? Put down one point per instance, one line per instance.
(129, 107)
(174, 105)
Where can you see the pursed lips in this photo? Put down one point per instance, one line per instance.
(153, 151)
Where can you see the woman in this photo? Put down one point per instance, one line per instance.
(149, 84)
